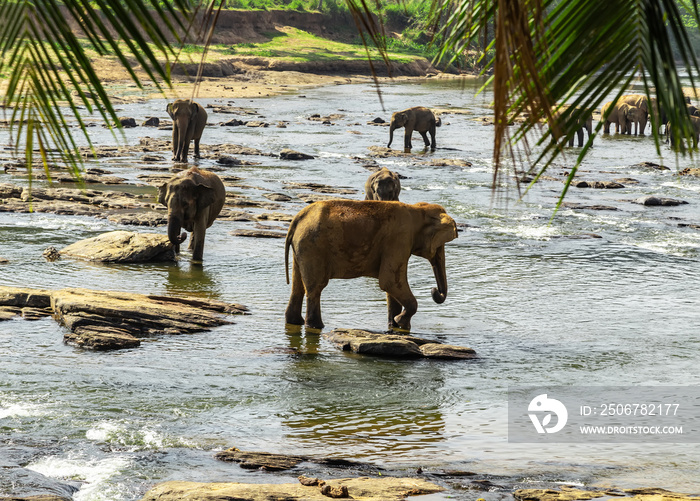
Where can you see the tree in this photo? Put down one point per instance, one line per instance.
(550, 52)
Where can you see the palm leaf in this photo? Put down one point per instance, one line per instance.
(48, 73)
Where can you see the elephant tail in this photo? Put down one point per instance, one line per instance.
(287, 244)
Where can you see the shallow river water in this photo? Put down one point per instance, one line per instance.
(539, 299)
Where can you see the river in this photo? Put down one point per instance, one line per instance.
(539, 298)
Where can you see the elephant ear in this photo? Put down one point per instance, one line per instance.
(204, 195)
(624, 109)
(169, 109)
(163, 194)
(194, 109)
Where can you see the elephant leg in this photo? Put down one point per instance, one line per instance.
(292, 314)
(424, 135)
(313, 306)
(407, 146)
(198, 231)
(185, 150)
(394, 308)
(606, 127)
(196, 148)
(400, 292)
(579, 133)
(176, 141)
(433, 143)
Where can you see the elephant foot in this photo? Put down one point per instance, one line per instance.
(401, 323)
(314, 325)
(293, 319)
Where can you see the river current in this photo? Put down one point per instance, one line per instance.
(587, 297)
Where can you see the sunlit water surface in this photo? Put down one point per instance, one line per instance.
(540, 301)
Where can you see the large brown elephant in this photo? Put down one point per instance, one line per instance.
(189, 119)
(383, 185)
(418, 118)
(194, 198)
(696, 131)
(350, 239)
(641, 102)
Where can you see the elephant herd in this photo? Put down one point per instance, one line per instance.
(374, 237)
(630, 114)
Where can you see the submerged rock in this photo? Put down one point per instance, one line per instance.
(396, 346)
(122, 247)
(287, 154)
(361, 489)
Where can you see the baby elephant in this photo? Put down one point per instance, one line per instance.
(383, 185)
(351, 238)
(418, 118)
(194, 198)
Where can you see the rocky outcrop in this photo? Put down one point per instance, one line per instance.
(106, 320)
(122, 247)
(396, 346)
(360, 489)
(269, 461)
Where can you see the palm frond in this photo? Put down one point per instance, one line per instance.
(48, 73)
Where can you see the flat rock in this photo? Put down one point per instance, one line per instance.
(258, 233)
(396, 346)
(122, 247)
(690, 171)
(656, 201)
(260, 460)
(567, 493)
(577, 206)
(107, 320)
(361, 489)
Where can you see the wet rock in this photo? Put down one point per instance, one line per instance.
(599, 185)
(104, 320)
(649, 165)
(153, 158)
(626, 180)
(446, 351)
(4, 260)
(395, 346)
(690, 171)
(658, 201)
(277, 197)
(360, 489)
(151, 122)
(275, 216)
(335, 491)
(577, 206)
(304, 480)
(315, 197)
(287, 154)
(234, 123)
(51, 254)
(150, 219)
(122, 247)
(127, 122)
(320, 188)
(449, 162)
(258, 233)
(377, 121)
(260, 460)
(257, 123)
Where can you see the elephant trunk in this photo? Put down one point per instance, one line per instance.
(391, 134)
(439, 293)
(174, 225)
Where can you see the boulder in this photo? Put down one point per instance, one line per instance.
(656, 201)
(122, 247)
(127, 122)
(287, 154)
(599, 185)
(396, 346)
(360, 489)
(151, 122)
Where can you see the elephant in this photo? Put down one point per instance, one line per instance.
(696, 131)
(367, 238)
(418, 118)
(383, 185)
(194, 198)
(642, 103)
(583, 123)
(189, 119)
(627, 116)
